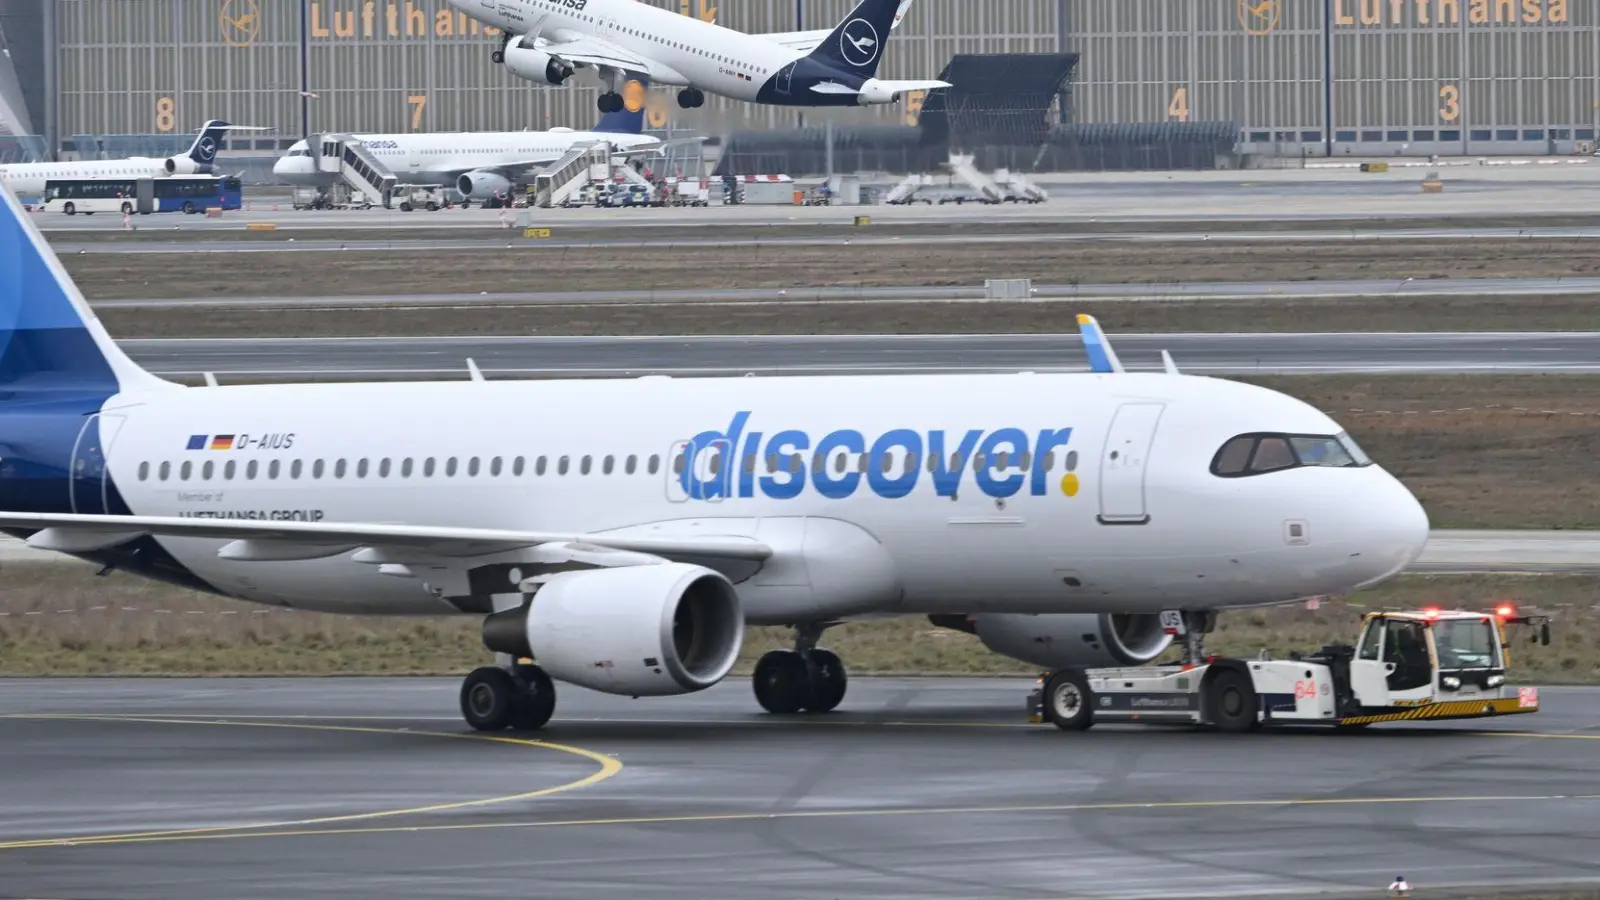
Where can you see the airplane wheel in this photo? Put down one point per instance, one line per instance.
(489, 698)
(782, 682)
(1068, 701)
(538, 701)
(498, 57)
(610, 102)
(686, 99)
(828, 681)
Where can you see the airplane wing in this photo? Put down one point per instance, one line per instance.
(592, 51)
(254, 539)
(807, 41)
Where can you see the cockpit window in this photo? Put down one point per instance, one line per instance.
(301, 152)
(1255, 454)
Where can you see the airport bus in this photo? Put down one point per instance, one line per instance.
(167, 193)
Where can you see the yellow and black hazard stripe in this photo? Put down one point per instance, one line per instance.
(1449, 709)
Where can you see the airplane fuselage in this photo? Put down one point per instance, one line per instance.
(439, 158)
(901, 494)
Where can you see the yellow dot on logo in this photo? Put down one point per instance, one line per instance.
(1069, 484)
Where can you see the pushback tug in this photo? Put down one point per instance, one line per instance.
(1406, 666)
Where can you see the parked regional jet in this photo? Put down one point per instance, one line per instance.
(29, 178)
(620, 534)
(479, 164)
(545, 41)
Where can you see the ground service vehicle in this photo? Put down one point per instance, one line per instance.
(1426, 664)
(168, 193)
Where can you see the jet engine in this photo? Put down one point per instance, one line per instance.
(647, 630)
(1059, 641)
(535, 65)
(183, 165)
(874, 92)
(482, 185)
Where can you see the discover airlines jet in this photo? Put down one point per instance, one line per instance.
(620, 534)
(29, 178)
(478, 164)
(545, 41)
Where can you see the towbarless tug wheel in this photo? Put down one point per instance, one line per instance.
(493, 699)
(1067, 701)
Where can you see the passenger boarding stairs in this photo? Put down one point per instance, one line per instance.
(564, 177)
(961, 166)
(348, 158)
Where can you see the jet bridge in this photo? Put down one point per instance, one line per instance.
(349, 159)
(561, 179)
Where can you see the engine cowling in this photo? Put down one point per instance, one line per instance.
(648, 630)
(874, 92)
(482, 185)
(535, 65)
(181, 165)
(1065, 641)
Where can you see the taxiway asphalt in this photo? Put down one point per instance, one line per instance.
(1213, 354)
(925, 788)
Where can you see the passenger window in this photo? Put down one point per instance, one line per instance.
(1272, 453)
(251, 470)
(518, 465)
(609, 464)
(405, 467)
(207, 470)
(494, 466)
(338, 469)
(677, 463)
(887, 465)
(655, 463)
(450, 467)
(1001, 459)
(1072, 460)
(1234, 456)
(166, 470)
(361, 468)
(316, 469)
(586, 463)
(383, 467)
(295, 469)
(716, 461)
(144, 471)
(633, 464)
(563, 465)
(472, 467)
(539, 468)
(427, 467)
(272, 469)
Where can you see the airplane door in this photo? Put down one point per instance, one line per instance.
(785, 78)
(1123, 464)
(89, 487)
(710, 472)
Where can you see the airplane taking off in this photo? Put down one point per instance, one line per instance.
(546, 41)
(477, 164)
(621, 534)
(30, 178)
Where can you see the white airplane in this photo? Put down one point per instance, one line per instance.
(29, 178)
(546, 41)
(478, 164)
(621, 534)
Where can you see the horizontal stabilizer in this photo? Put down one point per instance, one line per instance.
(901, 87)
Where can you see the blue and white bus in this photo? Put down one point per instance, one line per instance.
(168, 193)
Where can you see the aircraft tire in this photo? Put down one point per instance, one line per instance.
(1068, 701)
(828, 680)
(537, 702)
(497, 57)
(489, 698)
(782, 682)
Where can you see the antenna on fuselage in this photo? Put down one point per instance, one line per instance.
(1168, 364)
(473, 371)
(1101, 357)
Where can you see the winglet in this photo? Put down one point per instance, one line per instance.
(1168, 364)
(1101, 357)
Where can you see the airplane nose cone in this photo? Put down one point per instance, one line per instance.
(1397, 527)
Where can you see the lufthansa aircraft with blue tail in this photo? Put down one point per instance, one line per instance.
(546, 41)
(621, 534)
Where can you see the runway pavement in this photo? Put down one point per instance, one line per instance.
(916, 788)
(1143, 293)
(1213, 354)
(1448, 552)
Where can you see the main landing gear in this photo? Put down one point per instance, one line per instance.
(1196, 625)
(494, 699)
(499, 54)
(691, 98)
(808, 678)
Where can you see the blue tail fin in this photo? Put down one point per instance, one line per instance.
(204, 149)
(630, 118)
(50, 340)
(856, 45)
